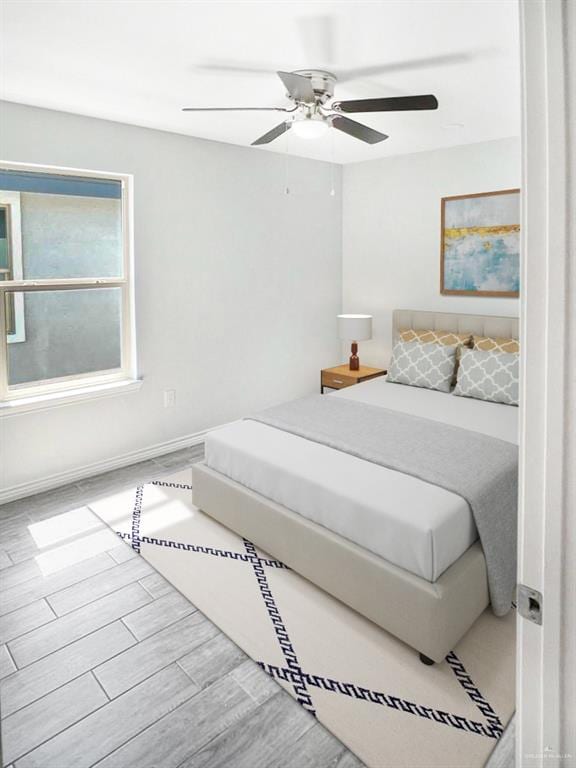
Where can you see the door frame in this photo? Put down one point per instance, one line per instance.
(546, 655)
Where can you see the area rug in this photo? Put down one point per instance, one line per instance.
(366, 687)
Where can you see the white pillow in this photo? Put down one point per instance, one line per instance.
(422, 365)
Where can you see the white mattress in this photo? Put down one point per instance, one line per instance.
(415, 525)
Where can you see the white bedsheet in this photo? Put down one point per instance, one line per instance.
(408, 522)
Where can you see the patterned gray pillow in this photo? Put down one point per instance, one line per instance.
(422, 365)
(491, 376)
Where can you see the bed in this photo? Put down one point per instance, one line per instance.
(400, 551)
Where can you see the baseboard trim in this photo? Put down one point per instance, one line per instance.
(15, 492)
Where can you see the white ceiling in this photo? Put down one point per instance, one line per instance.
(140, 61)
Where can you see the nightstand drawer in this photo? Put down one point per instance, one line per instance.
(337, 381)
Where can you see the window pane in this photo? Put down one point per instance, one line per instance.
(70, 226)
(68, 333)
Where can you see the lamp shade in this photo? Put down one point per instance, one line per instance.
(355, 327)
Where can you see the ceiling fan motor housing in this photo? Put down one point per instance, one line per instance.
(309, 90)
(322, 82)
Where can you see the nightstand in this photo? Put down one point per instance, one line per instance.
(341, 376)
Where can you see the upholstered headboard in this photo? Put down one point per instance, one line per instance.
(480, 325)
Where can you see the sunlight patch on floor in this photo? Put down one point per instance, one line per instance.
(81, 548)
(61, 527)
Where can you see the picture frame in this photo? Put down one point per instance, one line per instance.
(480, 244)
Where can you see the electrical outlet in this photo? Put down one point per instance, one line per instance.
(169, 398)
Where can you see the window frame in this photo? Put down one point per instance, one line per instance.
(74, 384)
(11, 202)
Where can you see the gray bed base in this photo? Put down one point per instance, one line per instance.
(429, 617)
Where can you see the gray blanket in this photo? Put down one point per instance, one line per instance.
(482, 470)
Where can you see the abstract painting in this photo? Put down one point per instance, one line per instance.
(480, 253)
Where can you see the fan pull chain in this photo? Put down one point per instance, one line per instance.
(286, 184)
(333, 162)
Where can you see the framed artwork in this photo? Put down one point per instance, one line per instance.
(480, 246)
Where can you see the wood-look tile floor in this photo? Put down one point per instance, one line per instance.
(103, 663)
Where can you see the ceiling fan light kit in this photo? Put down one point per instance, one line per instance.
(311, 126)
(310, 90)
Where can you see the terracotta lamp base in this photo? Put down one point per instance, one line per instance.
(354, 359)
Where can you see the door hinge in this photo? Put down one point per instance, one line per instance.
(530, 604)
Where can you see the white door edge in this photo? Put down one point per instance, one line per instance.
(547, 520)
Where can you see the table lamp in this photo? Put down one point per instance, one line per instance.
(355, 328)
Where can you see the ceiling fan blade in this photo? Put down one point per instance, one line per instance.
(273, 134)
(299, 87)
(235, 67)
(317, 37)
(357, 130)
(235, 109)
(390, 104)
(460, 57)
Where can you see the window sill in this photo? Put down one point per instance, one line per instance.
(69, 397)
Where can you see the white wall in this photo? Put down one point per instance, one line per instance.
(391, 232)
(237, 286)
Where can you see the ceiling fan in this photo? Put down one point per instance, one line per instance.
(310, 90)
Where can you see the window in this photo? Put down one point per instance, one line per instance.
(66, 312)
